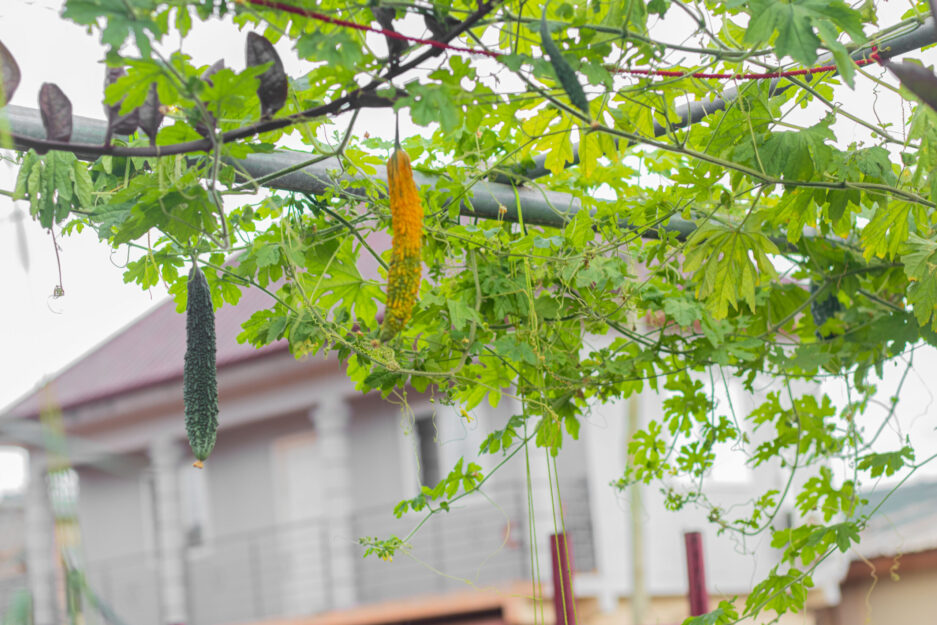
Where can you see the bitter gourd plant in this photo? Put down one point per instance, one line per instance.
(199, 379)
(406, 213)
(652, 251)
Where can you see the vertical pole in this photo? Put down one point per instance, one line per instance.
(438, 560)
(696, 574)
(639, 598)
(257, 594)
(326, 564)
(332, 422)
(166, 456)
(523, 531)
(40, 543)
(562, 580)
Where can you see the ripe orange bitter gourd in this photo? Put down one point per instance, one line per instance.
(406, 215)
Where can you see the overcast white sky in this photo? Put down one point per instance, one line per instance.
(43, 336)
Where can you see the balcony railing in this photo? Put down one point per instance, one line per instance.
(285, 570)
(9, 588)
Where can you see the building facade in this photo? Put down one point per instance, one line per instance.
(304, 466)
(12, 548)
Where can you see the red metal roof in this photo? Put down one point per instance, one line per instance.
(147, 352)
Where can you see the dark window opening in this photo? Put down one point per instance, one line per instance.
(428, 450)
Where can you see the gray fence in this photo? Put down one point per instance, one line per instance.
(285, 570)
(128, 585)
(9, 587)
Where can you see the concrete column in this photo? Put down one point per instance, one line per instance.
(540, 464)
(331, 420)
(640, 600)
(165, 460)
(40, 542)
(604, 436)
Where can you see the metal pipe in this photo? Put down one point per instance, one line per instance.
(696, 574)
(563, 599)
(495, 200)
(689, 114)
(491, 200)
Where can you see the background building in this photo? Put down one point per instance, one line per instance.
(12, 548)
(891, 575)
(303, 467)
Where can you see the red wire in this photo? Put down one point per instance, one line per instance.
(873, 58)
(286, 8)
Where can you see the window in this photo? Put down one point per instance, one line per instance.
(296, 457)
(428, 450)
(193, 507)
(729, 401)
(13, 464)
(731, 456)
(148, 510)
(193, 486)
(63, 493)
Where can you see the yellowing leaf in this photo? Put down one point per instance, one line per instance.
(728, 265)
(558, 147)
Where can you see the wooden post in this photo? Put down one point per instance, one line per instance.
(562, 580)
(696, 574)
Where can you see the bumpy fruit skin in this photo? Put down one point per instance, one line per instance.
(564, 73)
(822, 308)
(199, 379)
(406, 213)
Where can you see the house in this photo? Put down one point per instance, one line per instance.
(304, 466)
(12, 548)
(891, 574)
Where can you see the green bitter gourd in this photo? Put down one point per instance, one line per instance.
(564, 72)
(199, 377)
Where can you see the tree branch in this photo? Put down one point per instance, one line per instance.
(362, 97)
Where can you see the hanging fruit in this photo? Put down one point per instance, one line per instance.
(564, 72)
(199, 376)
(406, 214)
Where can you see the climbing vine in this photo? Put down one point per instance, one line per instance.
(641, 239)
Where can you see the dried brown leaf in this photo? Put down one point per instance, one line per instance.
(56, 111)
(385, 16)
(216, 67)
(150, 115)
(118, 124)
(439, 27)
(273, 82)
(917, 79)
(11, 74)
(200, 127)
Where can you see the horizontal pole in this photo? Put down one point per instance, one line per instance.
(32, 435)
(491, 200)
(497, 200)
(925, 34)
